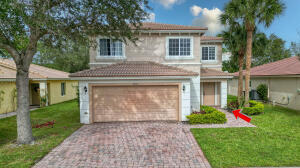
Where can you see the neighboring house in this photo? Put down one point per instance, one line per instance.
(171, 70)
(282, 78)
(47, 86)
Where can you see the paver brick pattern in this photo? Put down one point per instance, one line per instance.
(131, 144)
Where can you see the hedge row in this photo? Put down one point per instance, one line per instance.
(211, 116)
(255, 108)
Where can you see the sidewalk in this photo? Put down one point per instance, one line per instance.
(5, 115)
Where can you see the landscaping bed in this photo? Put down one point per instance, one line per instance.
(207, 115)
(255, 106)
(274, 142)
(51, 125)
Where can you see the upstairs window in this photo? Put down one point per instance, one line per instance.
(209, 53)
(110, 48)
(179, 47)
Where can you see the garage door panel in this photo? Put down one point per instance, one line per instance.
(135, 103)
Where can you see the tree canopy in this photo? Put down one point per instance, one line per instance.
(265, 50)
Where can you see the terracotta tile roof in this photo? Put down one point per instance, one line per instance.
(210, 38)
(8, 71)
(205, 72)
(134, 69)
(287, 66)
(163, 26)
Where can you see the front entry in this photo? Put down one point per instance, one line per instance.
(209, 93)
(35, 94)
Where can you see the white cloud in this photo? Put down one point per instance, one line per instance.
(151, 17)
(169, 3)
(196, 10)
(208, 18)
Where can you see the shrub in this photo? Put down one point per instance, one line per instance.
(255, 108)
(211, 116)
(233, 105)
(262, 91)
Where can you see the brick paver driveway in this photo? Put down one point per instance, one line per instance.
(131, 144)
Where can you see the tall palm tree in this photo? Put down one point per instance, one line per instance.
(235, 39)
(251, 13)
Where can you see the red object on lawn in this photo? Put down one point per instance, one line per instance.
(45, 124)
(237, 113)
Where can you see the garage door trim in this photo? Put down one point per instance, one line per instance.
(132, 84)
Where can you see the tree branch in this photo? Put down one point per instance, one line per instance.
(12, 51)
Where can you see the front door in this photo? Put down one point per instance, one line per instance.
(35, 94)
(209, 93)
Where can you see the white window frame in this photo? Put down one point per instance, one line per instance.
(191, 56)
(109, 56)
(216, 53)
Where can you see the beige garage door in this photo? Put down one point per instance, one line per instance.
(135, 103)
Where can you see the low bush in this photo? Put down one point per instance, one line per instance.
(208, 115)
(255, 108)
(262, 91)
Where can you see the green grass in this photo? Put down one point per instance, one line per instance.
(274, 142)
(66, 116)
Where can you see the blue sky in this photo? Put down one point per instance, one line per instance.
(206, 12)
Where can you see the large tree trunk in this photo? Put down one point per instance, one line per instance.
(240, 83)
(23, 116)
(248, 65)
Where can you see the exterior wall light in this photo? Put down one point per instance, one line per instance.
(85, 89)
(183, 87)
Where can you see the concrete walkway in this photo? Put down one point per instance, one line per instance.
(5, 115)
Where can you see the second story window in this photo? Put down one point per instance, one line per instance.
(110, 48)
(179, 47)
(209, 53)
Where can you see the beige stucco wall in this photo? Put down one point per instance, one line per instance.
(54, 91)
(8, 104)
(153, 48)
(280, 89)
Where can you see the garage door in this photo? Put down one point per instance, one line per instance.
(135, 103)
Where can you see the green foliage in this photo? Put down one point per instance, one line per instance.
(255, 108)
(265, 50)
(272, 51)
(43, 101)
(272, 143)
(67, 20)
(71, 57)
(262, 91)
(211, 116)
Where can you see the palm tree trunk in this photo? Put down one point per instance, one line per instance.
(23, 116)
(240, 83)
(248, 65)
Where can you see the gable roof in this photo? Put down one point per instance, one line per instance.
(134, 69)
(287, 66)
(163, 26)
(8, 71)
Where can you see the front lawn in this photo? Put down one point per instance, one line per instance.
(66, 116)
(274, 142)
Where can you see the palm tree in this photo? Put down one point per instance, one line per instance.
(251, 13)
(235, 39)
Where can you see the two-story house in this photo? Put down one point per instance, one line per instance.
(170, 71)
